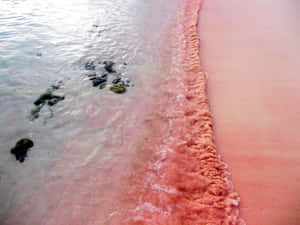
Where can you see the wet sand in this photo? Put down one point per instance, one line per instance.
(250, 50)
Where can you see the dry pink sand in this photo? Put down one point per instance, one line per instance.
(250, 50)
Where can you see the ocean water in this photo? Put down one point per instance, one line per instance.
(43, 43)
(143, 157)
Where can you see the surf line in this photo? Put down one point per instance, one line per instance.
(186, 182)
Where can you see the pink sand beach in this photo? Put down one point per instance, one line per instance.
(250, 50)
(209, 137)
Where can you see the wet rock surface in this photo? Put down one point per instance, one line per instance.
(21, 149)
(49, 98)
(90, 65)
(118, 88)
(107, 75)
(43, 98)
(55, 99)
(108, 66)
(35, 112)
(99, 80)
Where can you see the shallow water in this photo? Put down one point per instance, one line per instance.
(44, 42)
(145, 157)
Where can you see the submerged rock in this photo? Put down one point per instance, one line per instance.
(120, 80)
(21, 148)
(111, 77)
(108, 66)
(43, 98)
(102, 85)
(91, 75)
(118, 88)
(54, 87)
(48, 98)
(117, 80)
(90, 65)
(55, 99)
(99, 80)
(35, 113)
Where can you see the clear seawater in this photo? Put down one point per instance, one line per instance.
(45, 42)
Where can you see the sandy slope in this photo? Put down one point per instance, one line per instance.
(250, 50)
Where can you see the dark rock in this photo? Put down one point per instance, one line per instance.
(92, 76)
(43, 98)
(90, 65)
(21, 148)
(102, 85)
(35, 113)
(104, 76)
(99, 80)
(55, 99)
(48, 98)
(118, 88)
(108, 66)
(117, 80)
(124, 81)
(39, 54)
(54, 87)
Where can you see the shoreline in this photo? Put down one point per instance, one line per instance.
(155, 164)
(186, 182)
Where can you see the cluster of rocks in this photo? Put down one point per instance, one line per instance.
(107, 77)
(116, 82)
(47, 98)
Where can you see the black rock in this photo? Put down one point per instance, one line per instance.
(117, 80)
(124, 81)
(90, 65)
(43, 98)
(104, 76)
(98, 80)
(49, 98)
(54, 87)
(39, 54)
(92, 76)
(102, 85)
(21, 148)
(108, 66)
(55, 99)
